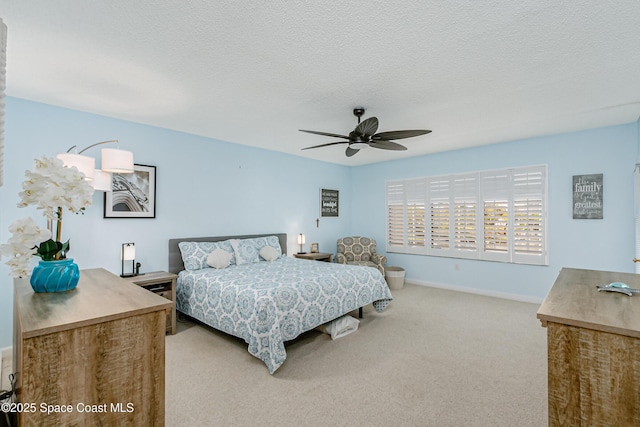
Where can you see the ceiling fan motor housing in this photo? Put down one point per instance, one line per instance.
(358, 142)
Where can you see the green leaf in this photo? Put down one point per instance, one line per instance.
(64, 249)
(48, 250)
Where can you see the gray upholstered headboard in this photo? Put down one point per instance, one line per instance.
(175, 257)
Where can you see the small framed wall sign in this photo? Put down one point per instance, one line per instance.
(587, 196)
(314, 248)
(132, 195)
(329, 202)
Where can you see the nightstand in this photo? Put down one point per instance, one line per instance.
(316, 256)
(163, 284)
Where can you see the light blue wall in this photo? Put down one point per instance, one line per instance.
(205, 187)
(606, 244)
(210, 187)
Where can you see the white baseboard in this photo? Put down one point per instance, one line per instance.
(504, 295)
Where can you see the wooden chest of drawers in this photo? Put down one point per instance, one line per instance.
(98, 351)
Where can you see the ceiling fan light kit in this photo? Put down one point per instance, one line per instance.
(359, 145)
(365, 136)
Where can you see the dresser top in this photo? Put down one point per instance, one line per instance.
(99, 297)
(574, 300)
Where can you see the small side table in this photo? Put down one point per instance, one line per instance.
(164, 284)
(316, 256)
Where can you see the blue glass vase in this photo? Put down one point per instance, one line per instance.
(55, 276)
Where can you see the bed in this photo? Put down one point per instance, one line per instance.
(267, 302)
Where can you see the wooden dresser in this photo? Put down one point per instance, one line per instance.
(97, 352)
(593, 341)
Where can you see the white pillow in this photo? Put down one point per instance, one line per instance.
(269, 253)
(219, 258)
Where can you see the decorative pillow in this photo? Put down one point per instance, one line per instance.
(194, 254)
(219, 258)
(245, 250)
(269, 253)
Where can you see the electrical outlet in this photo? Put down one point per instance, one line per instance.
(456, 267)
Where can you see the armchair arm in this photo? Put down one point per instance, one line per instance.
(340, 258)
(379, 259)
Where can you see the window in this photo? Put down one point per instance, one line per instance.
(489, 215)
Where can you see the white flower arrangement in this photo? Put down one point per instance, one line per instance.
(23, 245)
(52, 187)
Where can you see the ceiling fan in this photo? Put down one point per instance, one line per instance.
(364, 135)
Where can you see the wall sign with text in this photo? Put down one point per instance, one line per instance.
(329, 202)
(587, 196)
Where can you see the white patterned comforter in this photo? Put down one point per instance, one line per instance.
(267, 303)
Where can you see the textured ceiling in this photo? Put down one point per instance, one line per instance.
(254, 72)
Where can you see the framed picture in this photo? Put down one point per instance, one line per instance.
(329, 202)
(314, 248)
(132, 195)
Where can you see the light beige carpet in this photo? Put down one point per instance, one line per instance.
(432, 358)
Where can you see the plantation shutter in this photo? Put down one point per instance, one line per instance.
(416, 193)
(529, 213)
(495, 195)
(395, 216)
(440, 213)
(465, 204)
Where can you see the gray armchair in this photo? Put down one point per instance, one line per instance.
(358, 250)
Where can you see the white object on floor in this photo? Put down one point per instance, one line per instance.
(340, 327)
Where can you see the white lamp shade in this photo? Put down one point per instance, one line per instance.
(85, 164)
(129, 252)
(117, 161)
(301, 240)
(101, 180)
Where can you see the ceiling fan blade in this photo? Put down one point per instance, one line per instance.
(351, 151)
(399, 134)
(335, 135)
(368, 127)
(387, 145)
(326, 145)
